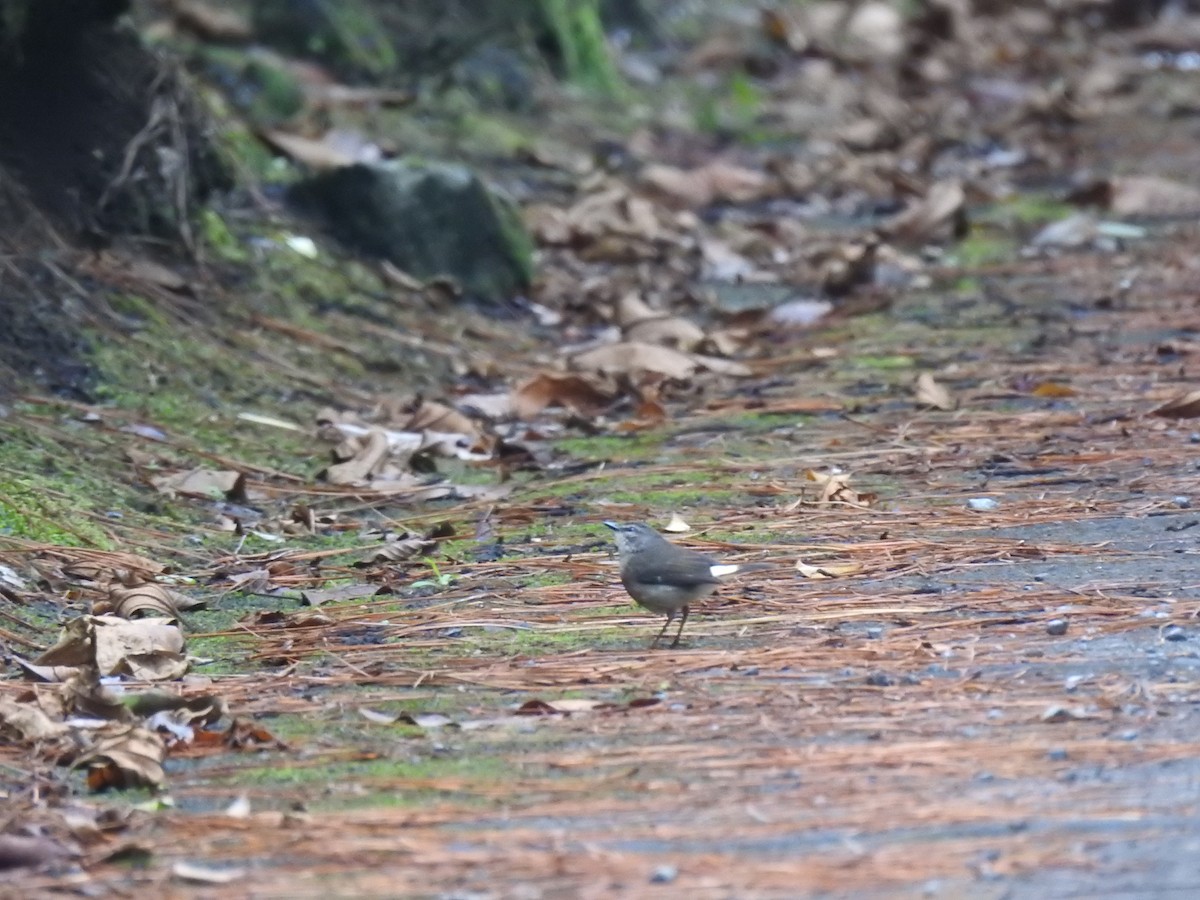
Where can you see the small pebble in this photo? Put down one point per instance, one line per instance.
(1174, 633)
(1056, 626)
(1057, 755)
(880, 679)
(1194, 437)
(874, 632)
(664, 875)
(1182, 502)
(982, 504)
(1130, 735)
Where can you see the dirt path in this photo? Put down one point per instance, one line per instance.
(923, 726)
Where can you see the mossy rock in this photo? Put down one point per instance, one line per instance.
(430, 219)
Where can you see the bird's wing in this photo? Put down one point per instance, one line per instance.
(682, 571)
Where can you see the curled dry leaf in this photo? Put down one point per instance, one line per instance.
(305, 618)
(27, 722)
(872, 31)
(631, 309)
(714, 182)
(208, 484)
(835, 488)
(316, 597)
(649, 413)
(1182, 406)
(671, 331)
(631, 357)
(318, 153)
(1142, 195)
(406, 443)
(150, 599)
(101, 566)
(572, 392)
(931, 393)
(129, 757)
(399, 550)
(150, 649)
(493, 407)
(944, 205)
(677, 525)
(428, 415)
(838, 570)
(368, 458)
(49, 674)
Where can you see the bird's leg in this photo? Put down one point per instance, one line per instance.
(666, 625)
(682, 622)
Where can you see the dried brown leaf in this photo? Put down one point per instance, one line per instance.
(153, 599)
(49, 674)
(677, 525)
(1150, 195)
(338, 594)
(1054, 389)
(400, 550)
(944, 205)
(429, 415)
(627, 358)
(27, 722)
(150, 649)
(714, 182)
(318, 153)
(572, 392)
(631, 309)
(835, 488)
(493, 407)
(129, 757)
(671, 331)
(931, 393)
(205, 483)
(369, 457)
(1182, 406)
(835, 570)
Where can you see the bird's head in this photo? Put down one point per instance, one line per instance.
(633, 537)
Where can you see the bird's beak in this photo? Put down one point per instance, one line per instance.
(613, 525)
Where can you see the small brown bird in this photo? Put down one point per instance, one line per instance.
(665, 578)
